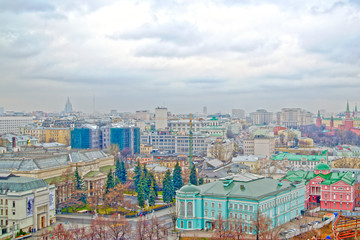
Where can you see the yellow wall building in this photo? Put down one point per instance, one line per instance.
(47, 135)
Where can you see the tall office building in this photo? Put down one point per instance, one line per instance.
(261, 117)
(238, 113)
(86, 137)
(12, 124)
(204, 110)
(295, 117)
(161, 118)
(126, 137)
(68, 106)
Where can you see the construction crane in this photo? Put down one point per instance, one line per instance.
(190, 144)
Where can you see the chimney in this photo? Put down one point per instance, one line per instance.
(14, 142)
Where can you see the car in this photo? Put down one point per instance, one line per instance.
(303, 226)
(284, 233)
(292, 230)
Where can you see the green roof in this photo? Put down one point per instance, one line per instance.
(21, 184)
(294, 157)
(255, 189)
(329, 179)
(92, 174)
(189, 189)
(106, 168)
(322, 166)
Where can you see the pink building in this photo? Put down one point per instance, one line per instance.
(329, 190)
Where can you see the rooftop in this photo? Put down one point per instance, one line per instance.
(20, 184)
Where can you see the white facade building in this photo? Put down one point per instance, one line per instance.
(161, 118)
(12, 124)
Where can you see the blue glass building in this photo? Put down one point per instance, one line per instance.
(126, 137)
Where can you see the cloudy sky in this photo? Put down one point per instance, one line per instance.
(183, 54)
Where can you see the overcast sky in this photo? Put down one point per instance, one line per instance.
(222, 54)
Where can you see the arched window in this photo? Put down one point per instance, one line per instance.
(189, 209)
(182, 209)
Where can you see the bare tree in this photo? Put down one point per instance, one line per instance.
(262, 225)
(174, 216)
(98, 228)
(223, 229)
(152, 229)
(118, 228)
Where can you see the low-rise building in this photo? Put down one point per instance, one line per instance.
(239, 198)
(300, 161)
(259, 146)
(26, 203)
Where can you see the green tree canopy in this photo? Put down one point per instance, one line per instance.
(110, 183)
(177, 178)
(193, 177)
(168, 187)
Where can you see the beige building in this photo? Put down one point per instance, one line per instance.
(145, 149)
(161, 118)
(25, 203)
(12, 124)
(295, 117)
(259, 146)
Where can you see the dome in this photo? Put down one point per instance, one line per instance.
(322, 166)
(189, 189)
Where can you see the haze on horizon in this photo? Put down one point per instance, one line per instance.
(222, 54)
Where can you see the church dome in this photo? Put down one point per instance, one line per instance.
(189, 189)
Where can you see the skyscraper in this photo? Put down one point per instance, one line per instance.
(68, 106)
(161, 118)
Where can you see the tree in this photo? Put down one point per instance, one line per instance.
(168, 187)
(201, 181)
(113, 149)
(117, 169)
(152, 229)
(152, 196)
(151, 180)
(79, 193)
(223, 231)
(125, 153)
(110, 183)
(137, 176)
(141, 192)
(262, 225)
(177, 178)
(193, 177)
(146, 182)
(123, 172)
(118, 228)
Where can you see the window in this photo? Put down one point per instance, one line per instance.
(334, 205)
(14, 213)
(206, 204)
(206, 213)
(340, 196)
(231, 215)
(182, 224)
(246, 218)
(1, 204)
(235, 206)
(2, 212)
(219, 214)
(13, 203)
(251, 208)
(251, 217)
(325, 195)
(347, 205)
(212, 205)
(189, 209)
(219, 205)
(245, 207)
(340, 204)
(325, 204)
(189, 224)
(182, 209)
(213, 214)
(236, 216)
(334, 196)
(6, 212)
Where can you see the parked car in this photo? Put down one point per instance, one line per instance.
(284, 233)
(292, 230)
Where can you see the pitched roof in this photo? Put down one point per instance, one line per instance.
(21, 184)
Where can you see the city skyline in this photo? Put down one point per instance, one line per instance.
(183, 55)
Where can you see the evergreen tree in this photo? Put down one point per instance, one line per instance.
(168, 187)
(79, 186)
(123, 172)
(110, 183)
(177, 178)
(117, 169)
(145, 171)
(137, 172)
(152, 195)
(79, 182)
(140, 191)
(201, 181)
(193, 177)
(151, 180)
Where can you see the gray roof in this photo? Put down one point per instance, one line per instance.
(47, 162)
(20, 184)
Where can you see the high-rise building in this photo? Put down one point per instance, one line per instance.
(204, 110)
(126, 138)
(68, 106)
(261, 117)
(142, 115)
(1, 110)
(161, 118)
(295, 117)
(12, 124)
(86, 137)
(238, 113)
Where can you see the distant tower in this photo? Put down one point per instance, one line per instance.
(204, 110)
(190, 144)
(348, 122)
(318, 120)
(68, 106)
(356, 111)
(331, 123)
(161, 118)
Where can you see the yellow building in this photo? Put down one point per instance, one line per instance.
(145, 149)
(337, 121)
(47, 135)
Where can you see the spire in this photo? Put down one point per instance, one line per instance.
(356, 108)
(347, 107)
(318, 113)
